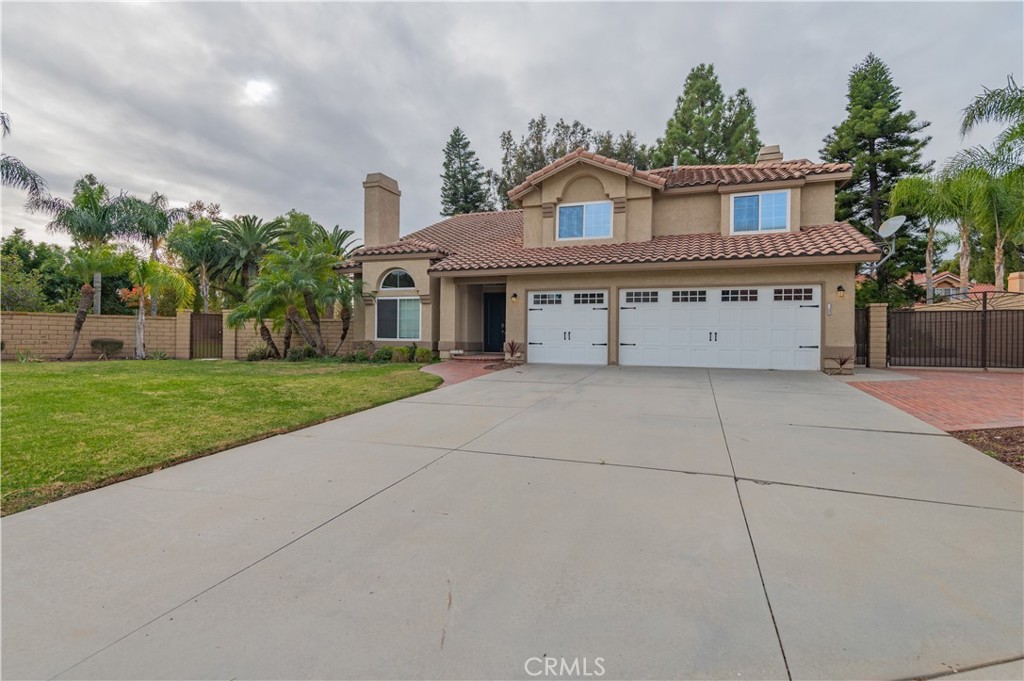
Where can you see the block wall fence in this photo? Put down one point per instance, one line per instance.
(48, 335)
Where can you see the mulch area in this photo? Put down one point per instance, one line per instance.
(1003, 444)
(457, 371)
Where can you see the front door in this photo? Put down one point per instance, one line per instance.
(494, 322)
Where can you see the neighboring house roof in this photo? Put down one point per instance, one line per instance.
(920, 278)
(581, 155)
(488, 241)
(982, 288)
(745, 173)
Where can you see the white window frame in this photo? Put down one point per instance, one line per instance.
(760, 230)
(419, 335)
(558, 219)
(397, 288)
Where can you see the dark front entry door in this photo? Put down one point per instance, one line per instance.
(494, 322)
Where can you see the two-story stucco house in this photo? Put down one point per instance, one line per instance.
(705, 266)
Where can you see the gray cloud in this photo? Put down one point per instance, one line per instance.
(149, 97)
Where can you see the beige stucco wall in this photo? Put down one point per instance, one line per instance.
(686, 213)
(48, 335)
(373, 274)
(837, 328)
(818, 203)
(238, 342)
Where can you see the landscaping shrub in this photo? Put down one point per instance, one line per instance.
(301, 353)
(400, 355)
(383, 354)
(257, 353)
(361, 356)
(424, 356)
(347, 358)
(106, 347)
(158, 354)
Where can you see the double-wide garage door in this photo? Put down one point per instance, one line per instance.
(766, 327)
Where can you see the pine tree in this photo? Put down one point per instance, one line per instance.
(465, 184)
(706, 128)
(884, 144)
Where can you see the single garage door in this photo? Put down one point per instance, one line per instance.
(744, 327)
(567, 327)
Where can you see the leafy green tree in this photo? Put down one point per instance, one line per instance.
(49, 261)
(92, 218)
(14, 173)
(148, 276)
(464, 181)
(247, 239)
(20, 290)
(708, 128)
(199, 245)
(884, 144)
(543, 144)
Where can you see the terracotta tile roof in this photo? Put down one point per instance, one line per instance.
(743, 173)
(582, 154)
(482, 241)
(982, 288)
(409, 244)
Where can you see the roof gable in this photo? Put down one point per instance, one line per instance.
(583, 156)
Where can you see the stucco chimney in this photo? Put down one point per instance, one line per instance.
(380, 209)
(1015, 282)
(770, 154)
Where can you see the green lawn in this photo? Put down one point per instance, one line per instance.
(71, 427)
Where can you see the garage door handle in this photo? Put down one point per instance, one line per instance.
(627, 308)
(627, 344)
(599, 344)
(536, 309)
(535, 343)
(803, 347)
(810, 306)
(600, 308)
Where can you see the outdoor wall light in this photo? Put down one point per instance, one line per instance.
(515, 297)
(840, 290)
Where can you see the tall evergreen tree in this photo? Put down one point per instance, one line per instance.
(884, 143)
(706, 128)
(464, 181)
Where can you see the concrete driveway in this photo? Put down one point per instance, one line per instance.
(644, 523)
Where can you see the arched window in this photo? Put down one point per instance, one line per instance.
(398, 279)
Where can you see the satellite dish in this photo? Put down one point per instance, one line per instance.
(891, 226)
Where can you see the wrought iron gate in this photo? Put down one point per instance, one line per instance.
(984, 338)
(861, 335)
(206, 337)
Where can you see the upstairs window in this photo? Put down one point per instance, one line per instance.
(585, 220)
(761, 212)
(398, 279)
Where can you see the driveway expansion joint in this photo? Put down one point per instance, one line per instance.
(869, 430)
(960, 670)
(750, 536)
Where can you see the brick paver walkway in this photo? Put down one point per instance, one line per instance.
(956, 400)
(454, 371)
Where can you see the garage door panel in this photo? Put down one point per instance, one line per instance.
(572, 332)
(739, 327)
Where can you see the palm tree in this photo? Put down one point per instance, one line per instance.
(147, 276)
(153, 222)
(247, 239)
(199, 245)
(1000, 212)
(92, 218)
(14, 173)
(258, 309)
(340, 243)
(1002, 105)
(923, 195)
(961, 192)
(83, 264)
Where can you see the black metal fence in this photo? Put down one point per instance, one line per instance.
(206, 336)
(956, 338)
(861, 335)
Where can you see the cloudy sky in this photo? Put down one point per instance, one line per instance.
(265, 107)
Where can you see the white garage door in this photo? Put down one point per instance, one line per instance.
(567, 327)
(765, 327)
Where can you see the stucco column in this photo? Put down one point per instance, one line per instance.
(449, 318)
(878, 335)
(229, 338)
(183, 335)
